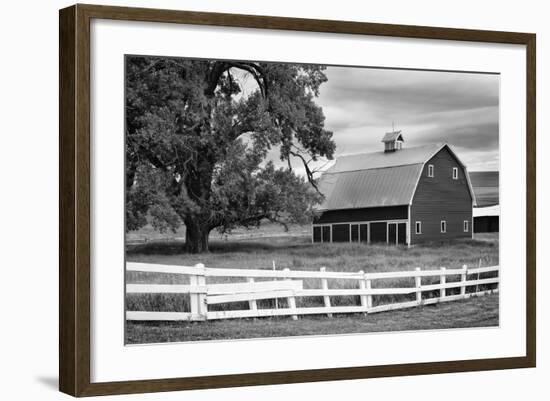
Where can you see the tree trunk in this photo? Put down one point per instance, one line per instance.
(196, 237)
(197, 183)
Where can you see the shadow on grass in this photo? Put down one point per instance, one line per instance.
(157, 248)
(178, 247)
(297, 245)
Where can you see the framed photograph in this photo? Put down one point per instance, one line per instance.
(249, 200)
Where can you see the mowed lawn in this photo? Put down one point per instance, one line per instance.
(295, 251)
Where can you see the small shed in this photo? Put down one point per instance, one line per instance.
(487, 208)
(486, 219)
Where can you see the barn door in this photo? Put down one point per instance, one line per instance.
(364, 232)
(397, 233)
(402, 233)
(392, 233)
(378, 232)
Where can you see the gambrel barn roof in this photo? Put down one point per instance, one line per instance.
(377, 179)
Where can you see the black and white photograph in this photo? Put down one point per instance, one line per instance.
(275, 200)
(268, 199)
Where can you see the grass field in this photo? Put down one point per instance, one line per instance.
(474, 312)
(295, 251)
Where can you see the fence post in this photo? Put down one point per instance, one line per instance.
(324, 286)
(418, 285)
(363, 286)
(276, 299)
(193, 300)
(198, 299)
(252, 304)
(369, 297)
(477, 278)
(442, 282)
(463, 277)
(291, 300)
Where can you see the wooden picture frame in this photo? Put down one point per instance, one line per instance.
(74, 203)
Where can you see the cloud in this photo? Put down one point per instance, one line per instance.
(402, 92)
(461, 109)
(360, 105)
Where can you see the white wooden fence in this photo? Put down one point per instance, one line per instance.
(288, 284)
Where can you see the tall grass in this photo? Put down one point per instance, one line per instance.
(297, 253)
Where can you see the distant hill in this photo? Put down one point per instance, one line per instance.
(485, 184)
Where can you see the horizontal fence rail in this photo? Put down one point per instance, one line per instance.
(288, 284)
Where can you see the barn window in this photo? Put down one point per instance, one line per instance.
(466, 226)
(443, 226)
(321, 234)
(455, 173)
(430, 170)
(418, 227)
(317, 234)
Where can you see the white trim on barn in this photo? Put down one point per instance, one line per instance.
(431, 171)
(409, 228)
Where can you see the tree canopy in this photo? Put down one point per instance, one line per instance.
(196, 144)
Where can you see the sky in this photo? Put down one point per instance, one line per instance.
(461, 109)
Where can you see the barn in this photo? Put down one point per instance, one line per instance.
(399, 195)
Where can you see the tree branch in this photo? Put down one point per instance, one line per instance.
(220, 67)
(309, 173)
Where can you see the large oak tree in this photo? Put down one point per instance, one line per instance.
(196, 144)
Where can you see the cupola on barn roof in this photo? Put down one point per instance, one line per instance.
(393, 141)
(393, 136)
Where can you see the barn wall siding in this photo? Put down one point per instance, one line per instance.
(441, 198)
(367, 214)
